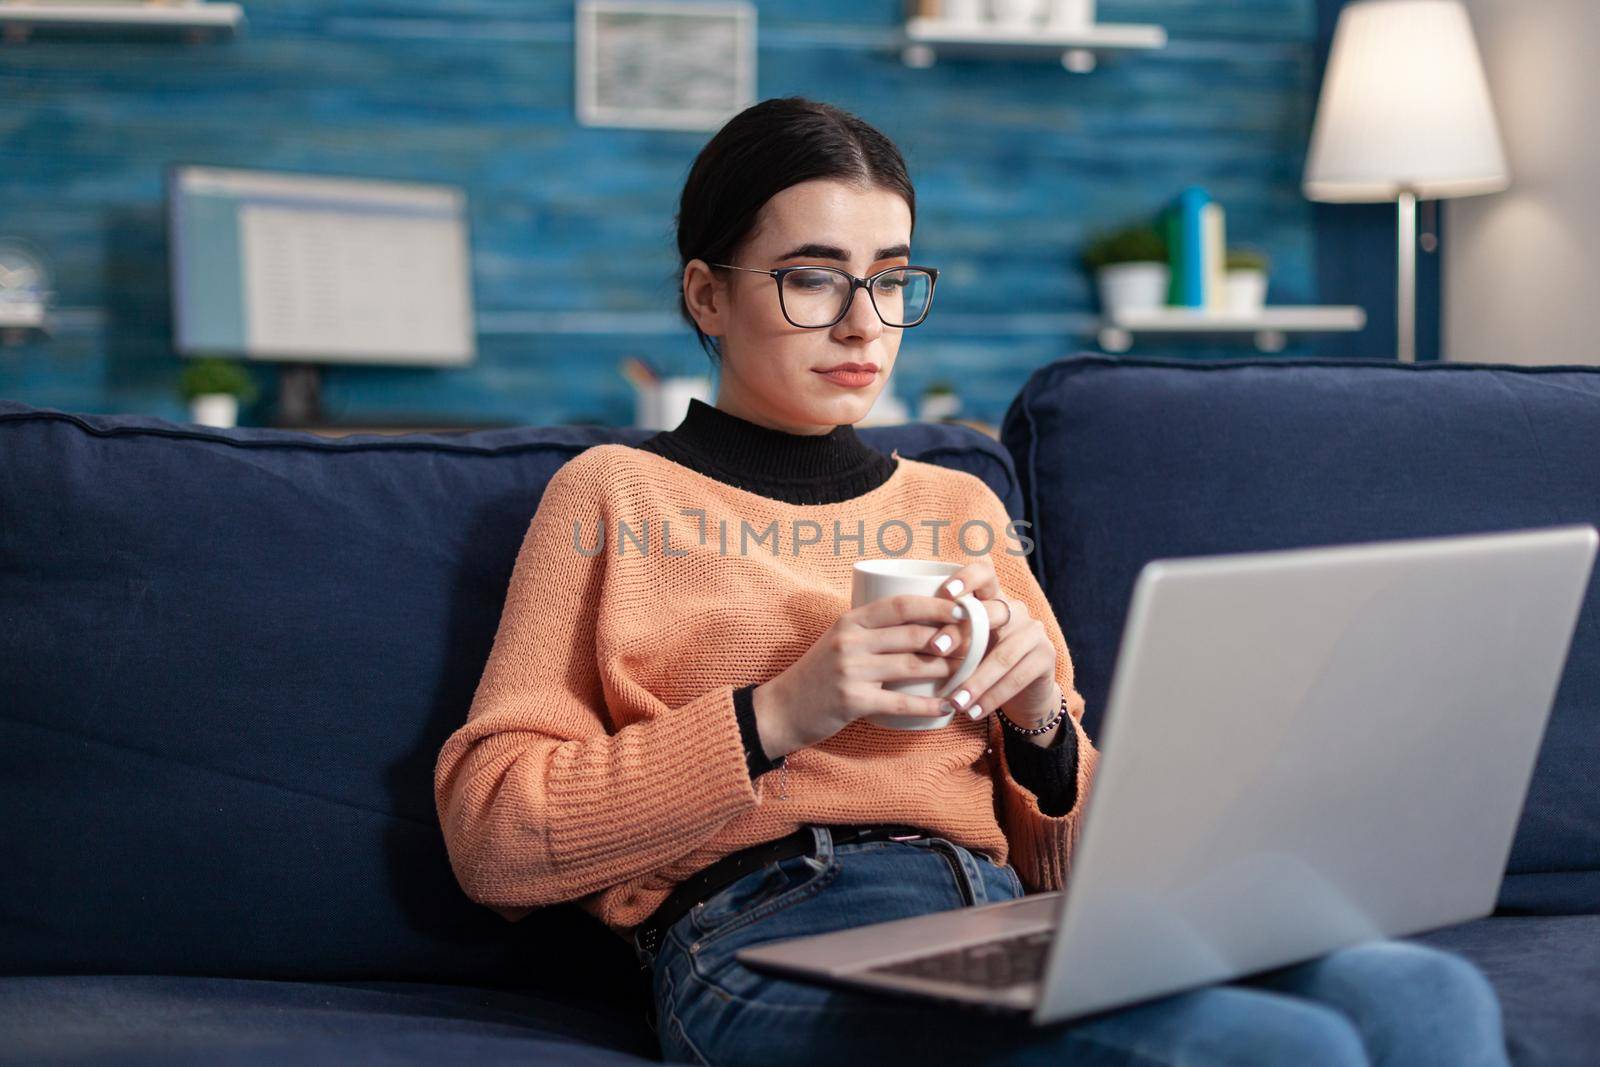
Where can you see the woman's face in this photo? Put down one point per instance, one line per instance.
(771, 370)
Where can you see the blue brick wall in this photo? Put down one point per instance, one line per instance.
(1015, 163)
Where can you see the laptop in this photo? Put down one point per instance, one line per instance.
(1302, 749)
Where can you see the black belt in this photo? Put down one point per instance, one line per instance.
(730, 868)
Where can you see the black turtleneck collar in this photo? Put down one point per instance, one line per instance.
(793, 467)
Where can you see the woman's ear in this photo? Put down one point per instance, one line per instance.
(705, 296)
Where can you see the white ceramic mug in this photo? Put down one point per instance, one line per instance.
(874, 579)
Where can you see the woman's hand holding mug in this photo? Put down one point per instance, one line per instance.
(1019, 669)
(877, 660)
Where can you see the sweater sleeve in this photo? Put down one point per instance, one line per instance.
(1051, 774)
(539, 802)
(1041, 840)
(755, 756)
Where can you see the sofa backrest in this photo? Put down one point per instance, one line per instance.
(228, 661)
(1124, 460)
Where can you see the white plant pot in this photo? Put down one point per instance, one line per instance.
(963, 13)
(886, 410)
(1017, 14)
(936, 406)
(1246, 291)
(1070, 14)
(1133, 286)
(214, 409)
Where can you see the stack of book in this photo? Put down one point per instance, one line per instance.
(1195, 228)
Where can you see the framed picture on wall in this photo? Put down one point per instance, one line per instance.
(687, 65)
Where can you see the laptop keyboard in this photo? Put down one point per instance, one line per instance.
(995, 964)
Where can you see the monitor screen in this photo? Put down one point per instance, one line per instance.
(321, 269)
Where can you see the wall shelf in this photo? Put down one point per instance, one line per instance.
(196, 22)
(1269, 325)
(1078, 49)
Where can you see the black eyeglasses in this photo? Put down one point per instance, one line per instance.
(815, 298)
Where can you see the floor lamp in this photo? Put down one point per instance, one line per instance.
(1404, 114)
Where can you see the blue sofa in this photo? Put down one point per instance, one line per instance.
(228, 660)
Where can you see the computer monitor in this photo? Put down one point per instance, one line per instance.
(311, 268)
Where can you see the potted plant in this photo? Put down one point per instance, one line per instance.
(1130, 267)
(939, 401)
(213, 388)
(1245, 280)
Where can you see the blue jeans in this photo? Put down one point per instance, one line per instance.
(1382, 1002)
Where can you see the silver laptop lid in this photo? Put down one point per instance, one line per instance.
(1307, 748)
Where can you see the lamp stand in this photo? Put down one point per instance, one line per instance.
(1406, 298)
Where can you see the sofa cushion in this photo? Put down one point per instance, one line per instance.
(1125, 460)
(133, 1019)
(1546, 971)
(229, 661)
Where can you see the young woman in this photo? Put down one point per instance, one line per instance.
(678, 633)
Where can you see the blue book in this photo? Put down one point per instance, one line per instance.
(1188, 248)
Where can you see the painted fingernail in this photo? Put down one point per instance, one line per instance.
(954, 587)
(961, 698)
(975, 711)
(959, 612)
(943, 643)
(945, 706)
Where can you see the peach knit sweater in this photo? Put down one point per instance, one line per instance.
(601, 761)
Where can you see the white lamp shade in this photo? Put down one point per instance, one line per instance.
(1404, 105)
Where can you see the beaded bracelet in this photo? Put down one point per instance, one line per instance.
(1054, 719)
